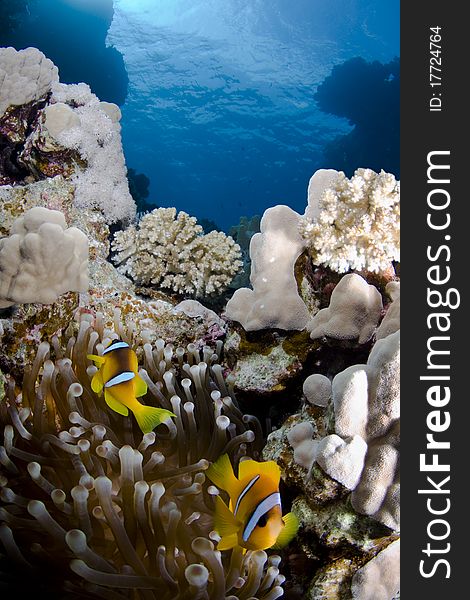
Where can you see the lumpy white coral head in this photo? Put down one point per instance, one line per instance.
(320, 181)
(353, 312)
(25, 76)
(274, 301)
(42, 259)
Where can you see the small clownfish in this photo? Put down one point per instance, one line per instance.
(118, 375)
(253, 518)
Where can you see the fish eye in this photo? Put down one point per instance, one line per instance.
(262, 520)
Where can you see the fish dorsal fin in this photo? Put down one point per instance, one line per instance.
(221, 474)
(291, 526)
(225, 523)
(115, 404)
(140, 386)
(98, 360)
(97, 382)
(249, 468)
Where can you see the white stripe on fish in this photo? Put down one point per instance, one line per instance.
(124, 376)
(263, 507)
(245, 491)
(115, 346)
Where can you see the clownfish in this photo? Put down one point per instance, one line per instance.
(118, 375)
(253, 519)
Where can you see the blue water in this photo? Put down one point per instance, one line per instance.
(217, 96)
(220, 110)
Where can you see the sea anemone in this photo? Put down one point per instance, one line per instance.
(93, 508)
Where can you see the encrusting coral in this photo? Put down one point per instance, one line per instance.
(170, 251)
(112, 513)
(42, 259)
(353, 223)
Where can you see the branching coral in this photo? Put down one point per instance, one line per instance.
(42, 259)
(170, 251)
(112, 513)
(353, 223)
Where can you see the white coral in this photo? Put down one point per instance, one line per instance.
(353, 313)
(42, 259)
(353, 223)
(274, 301)
(379, 579)
(25, 76)
(96, 136)
(363, 453)
(170, 251)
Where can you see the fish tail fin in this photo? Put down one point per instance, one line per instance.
(289, 531)
(148, 417)
(221, 474)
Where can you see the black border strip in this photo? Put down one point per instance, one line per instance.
(424, 131)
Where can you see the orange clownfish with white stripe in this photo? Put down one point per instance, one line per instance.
(253, 519)
(118, 376)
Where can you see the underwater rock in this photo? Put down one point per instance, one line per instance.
(268, 362)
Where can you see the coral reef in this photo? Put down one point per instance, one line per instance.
(354, 223)
(170, 251)
(109, 508)
(92, 508)
(42, 259)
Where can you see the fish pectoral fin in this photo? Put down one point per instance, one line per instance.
(250, 468)
(225, 522)
(97, 382)
(221, 474)
(140, 386)
(291, 526)
(98, 360)
(228, 542)
(115, 404)
(148, 417)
